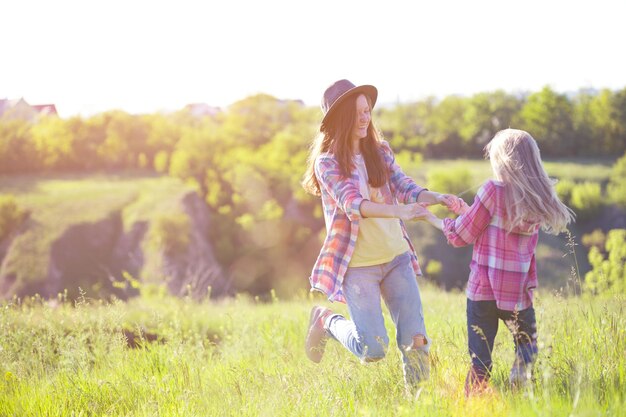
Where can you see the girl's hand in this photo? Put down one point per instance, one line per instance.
(462, 208)
(452, 202)
(413, 211)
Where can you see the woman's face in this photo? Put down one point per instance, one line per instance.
(363, 117)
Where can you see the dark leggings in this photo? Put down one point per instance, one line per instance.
(482, 325)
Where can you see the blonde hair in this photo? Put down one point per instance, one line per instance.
(529, 192)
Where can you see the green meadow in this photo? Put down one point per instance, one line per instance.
(163, 356)
(573, 169)
(157, 355)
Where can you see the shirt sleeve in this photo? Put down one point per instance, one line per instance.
(402, 186)
(466, 229)
(343, 190)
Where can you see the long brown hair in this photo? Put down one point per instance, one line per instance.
(335, 136)
(529, 192)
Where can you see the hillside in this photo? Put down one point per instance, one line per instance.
(102, 233)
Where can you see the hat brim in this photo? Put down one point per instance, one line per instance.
(369, 90)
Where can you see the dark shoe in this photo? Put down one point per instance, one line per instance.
(521, 374)
(316, 336)
(476, 381)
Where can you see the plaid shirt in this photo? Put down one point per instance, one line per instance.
(341, 200)
(503, 264)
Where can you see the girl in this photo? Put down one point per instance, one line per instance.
(503, 225)
(367, 252)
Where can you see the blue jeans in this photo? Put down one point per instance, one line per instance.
(482, 326)
(365, 335)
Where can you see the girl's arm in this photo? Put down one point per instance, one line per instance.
(466, 229)
(434, 220)
(460, 208)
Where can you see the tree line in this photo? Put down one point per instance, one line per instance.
(588, 123)
(247, 161)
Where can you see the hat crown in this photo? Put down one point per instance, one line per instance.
(341, 90)
(332, 93)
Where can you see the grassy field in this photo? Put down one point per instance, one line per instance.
(574, 169)
(239, 357)
(163, 356)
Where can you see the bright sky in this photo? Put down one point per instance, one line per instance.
(89, 56)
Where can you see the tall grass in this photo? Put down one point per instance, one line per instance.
(240, 357)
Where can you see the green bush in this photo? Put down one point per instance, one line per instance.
(564, 189)
(586, 199)
(171, 233)
(11, 216)
(618, 171)
(433, 269)
(408, 159)
(608, 273)
(456, 181)
(596, 238)
(161, 161)
(616, 189)
(616, 192)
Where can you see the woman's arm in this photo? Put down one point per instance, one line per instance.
(407, 191)
(413, 211)
(466, 229)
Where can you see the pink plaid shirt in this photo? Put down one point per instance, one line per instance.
(341, 200)
(503, 264)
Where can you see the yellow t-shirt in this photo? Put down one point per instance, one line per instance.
(380, 239)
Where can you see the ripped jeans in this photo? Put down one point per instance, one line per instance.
(365, 335)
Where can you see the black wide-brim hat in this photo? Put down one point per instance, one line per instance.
(341, 90)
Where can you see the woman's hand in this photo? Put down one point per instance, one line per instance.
(424, 214)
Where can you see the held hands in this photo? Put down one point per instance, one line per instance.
(413, 211)
(452, 203)
(418, 211)
(455, 204)
(464, 207)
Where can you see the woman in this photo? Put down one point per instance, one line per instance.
(367, 252)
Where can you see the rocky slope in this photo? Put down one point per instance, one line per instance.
(113, 250)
